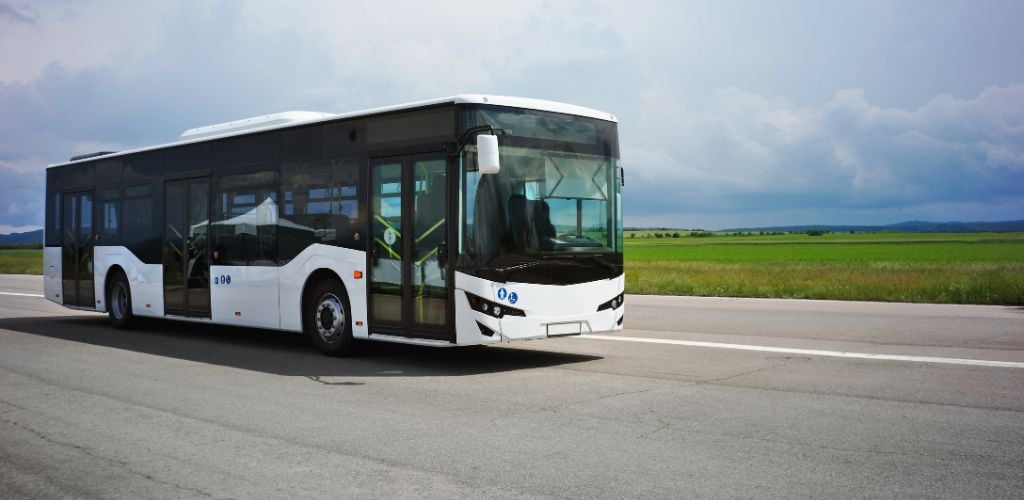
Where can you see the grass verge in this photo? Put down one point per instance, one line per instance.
(21, 261)
(996, 283)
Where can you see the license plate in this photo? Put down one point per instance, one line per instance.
(559, 329)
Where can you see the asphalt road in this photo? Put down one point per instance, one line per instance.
(177, 410)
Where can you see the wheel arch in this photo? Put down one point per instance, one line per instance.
(108, 279)
(315, 277)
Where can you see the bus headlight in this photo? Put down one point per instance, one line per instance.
(613, 304)
(489, 308)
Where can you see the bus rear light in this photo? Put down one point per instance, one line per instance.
(359, 323)
(357, 275)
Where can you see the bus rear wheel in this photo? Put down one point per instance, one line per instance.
(119, 302)
(327, 318)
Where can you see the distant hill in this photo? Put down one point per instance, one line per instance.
(914, 226)
(29, 238)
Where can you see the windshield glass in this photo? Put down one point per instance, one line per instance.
(542, 202)
(554, 205)
(543, 205)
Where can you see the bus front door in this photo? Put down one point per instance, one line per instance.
(186, 256)
(408, 269)
(77, 250)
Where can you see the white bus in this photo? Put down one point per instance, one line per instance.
(465, 220)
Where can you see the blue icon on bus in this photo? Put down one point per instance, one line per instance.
(502, 293)
(229, 280)
(513, 298)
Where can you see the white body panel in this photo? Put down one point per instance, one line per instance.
(343, 262)
(147, 280)
(52, 274)
(550, 309)
(270, 297)
(245, 296)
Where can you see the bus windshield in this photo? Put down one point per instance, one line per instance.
(554, 202)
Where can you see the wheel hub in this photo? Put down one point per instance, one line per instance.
(330, 316)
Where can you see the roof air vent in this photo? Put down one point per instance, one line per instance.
(254, 123)
(92, 155)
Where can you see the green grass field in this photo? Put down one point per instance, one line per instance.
(21, 261)
(968, 268)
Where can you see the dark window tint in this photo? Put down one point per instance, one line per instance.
(245, 219)
(143, 167)
(78, 175)
(411, 127)
(108, 172)
(139, 230)
(189, 158)
(246, 150)
(320, 205)
(301, 143)
(138, 190)
(52, 210)
(110, 217)
(341, 138)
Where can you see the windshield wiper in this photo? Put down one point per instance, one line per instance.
(533, 263)
(604, 263)
(505, 272)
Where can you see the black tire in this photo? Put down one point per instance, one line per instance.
(327, 318)
(119, 302)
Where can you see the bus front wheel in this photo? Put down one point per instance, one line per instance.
(328, 320)
(119, 302)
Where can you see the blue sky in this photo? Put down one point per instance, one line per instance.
(731, 113)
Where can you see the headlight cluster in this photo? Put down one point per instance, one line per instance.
(614, 303)
(489, 308)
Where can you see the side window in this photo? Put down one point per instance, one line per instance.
(320, 205)
(139, 230)
(53, 214)
(110, 216)
(245, 222)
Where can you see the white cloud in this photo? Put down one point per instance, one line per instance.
(77, 35)
(742, 152)
(725, 108)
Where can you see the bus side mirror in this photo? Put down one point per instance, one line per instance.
(487, 161)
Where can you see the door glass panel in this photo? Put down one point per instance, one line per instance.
(386, 278)
(198, 266)
(174, 247)
(69, 251)
(86, 292)
(429, 292)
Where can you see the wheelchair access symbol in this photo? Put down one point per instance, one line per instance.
(505, 294)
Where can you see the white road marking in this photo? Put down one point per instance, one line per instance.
(812, 352)
(16, 294)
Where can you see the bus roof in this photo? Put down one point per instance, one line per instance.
(296, 118)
